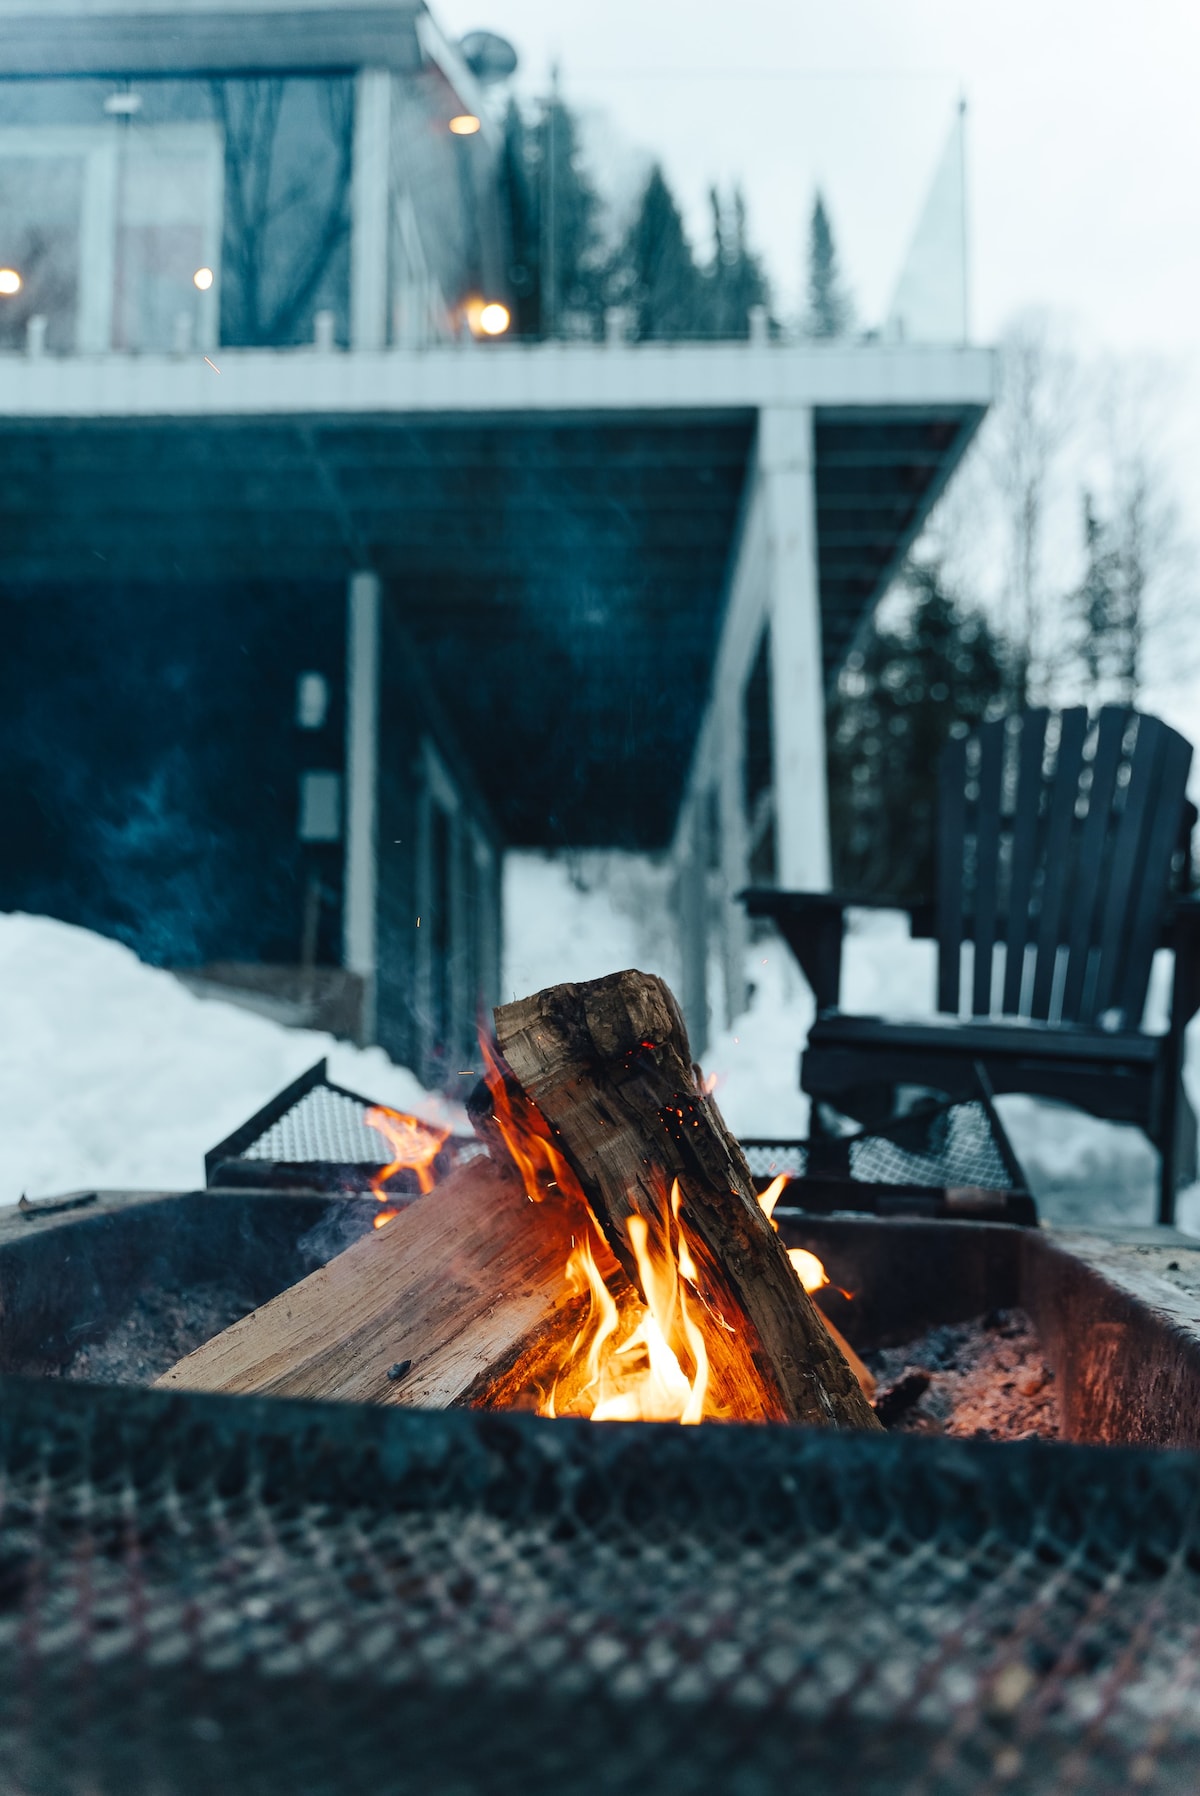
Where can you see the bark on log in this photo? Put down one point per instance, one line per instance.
(466, 1284)
(608, 1065)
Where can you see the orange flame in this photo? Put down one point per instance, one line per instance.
(415, 1145)
(644, 1360)
(813, 1276)
(652, 1364)
(807, 1267)
(770, 1197)
(525, 1133)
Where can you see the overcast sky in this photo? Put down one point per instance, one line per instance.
(1084, 134)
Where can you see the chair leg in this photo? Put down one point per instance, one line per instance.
(1166, 1180)
(1177, 1152)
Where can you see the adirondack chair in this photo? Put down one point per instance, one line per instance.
(1063, 856)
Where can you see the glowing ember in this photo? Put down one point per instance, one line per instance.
(415, 1146)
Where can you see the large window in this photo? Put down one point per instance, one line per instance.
(43, 190)
(168, 237)
(115, 233)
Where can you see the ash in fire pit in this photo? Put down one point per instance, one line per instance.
(158, 1329)
(984, 1379)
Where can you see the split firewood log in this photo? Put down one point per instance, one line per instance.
(461, 1292)
(608, 1066)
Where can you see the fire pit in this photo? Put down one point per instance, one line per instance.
(204, 1592)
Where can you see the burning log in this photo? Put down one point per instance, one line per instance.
(610, 1260)
(608, 1066)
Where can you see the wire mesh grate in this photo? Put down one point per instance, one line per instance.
(201, 1594)
(953, 1145)
(324, 1125)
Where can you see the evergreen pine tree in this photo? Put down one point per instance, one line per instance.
(829, 308)
(572, 249)
(556, 260)
(896, 704)
(522, 222)
(655, 274)
(734, 282)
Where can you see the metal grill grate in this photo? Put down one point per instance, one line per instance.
(203, 1594)
(953, 1145)
(315, 1132)
(326, 1125)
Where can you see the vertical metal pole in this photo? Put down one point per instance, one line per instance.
(786, 469)
(359, 949)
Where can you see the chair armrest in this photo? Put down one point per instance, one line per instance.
(771, 901)
(812, 924)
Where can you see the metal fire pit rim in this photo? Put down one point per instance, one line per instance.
(364, 1456)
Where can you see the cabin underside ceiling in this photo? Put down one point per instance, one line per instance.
(561, 578)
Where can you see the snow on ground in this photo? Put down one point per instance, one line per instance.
(579, 916)
(112, 1075)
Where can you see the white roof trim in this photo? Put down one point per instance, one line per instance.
(504, 378)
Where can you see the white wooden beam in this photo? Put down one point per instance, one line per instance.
(359, 950)
(496, 377)
(786, 468)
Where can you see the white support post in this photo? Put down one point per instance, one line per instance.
(787, 475)
(369, 215)
(98, 248)
(691, 872)
(362, 773)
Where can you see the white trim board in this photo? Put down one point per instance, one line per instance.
(498, 378)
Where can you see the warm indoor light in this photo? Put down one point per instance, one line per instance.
(465, 125)
(10, 282)
(494, 319)
(203, 278)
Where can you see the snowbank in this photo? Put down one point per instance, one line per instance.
(581, 915)
(113, 1075)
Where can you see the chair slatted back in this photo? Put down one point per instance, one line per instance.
(1059, 837)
